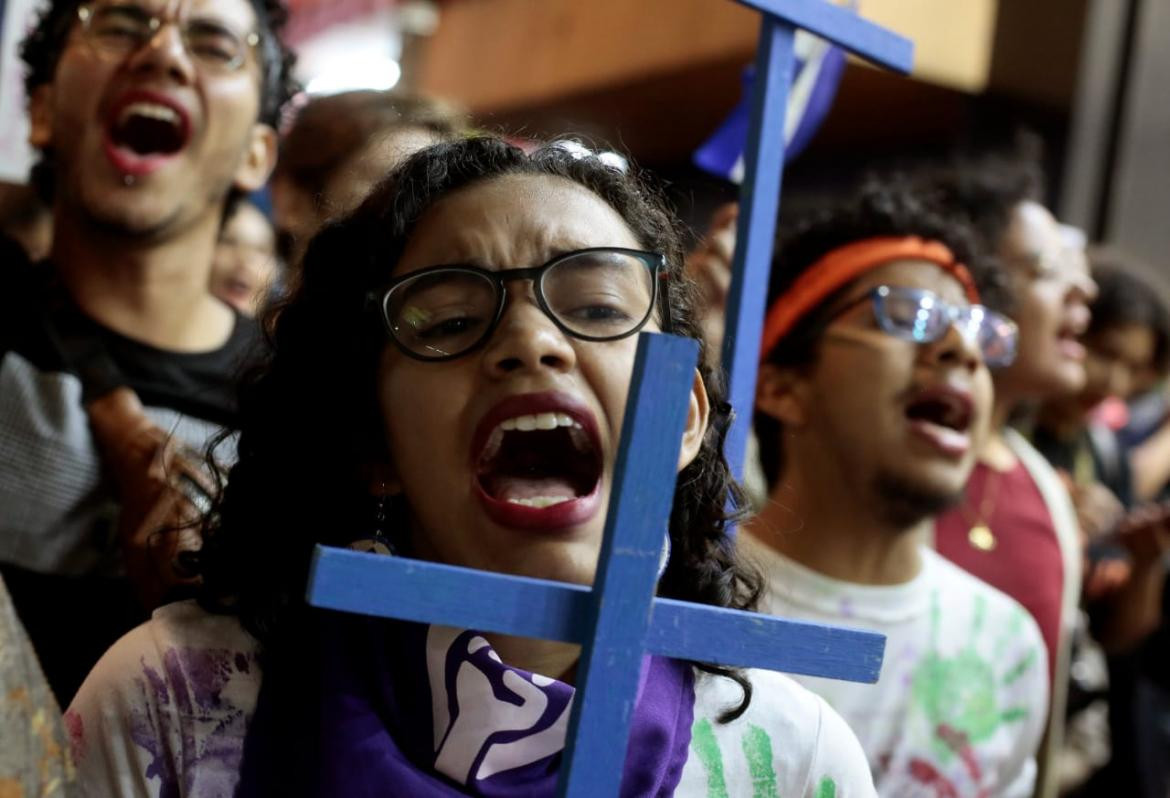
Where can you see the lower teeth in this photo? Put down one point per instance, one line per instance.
(538, 501)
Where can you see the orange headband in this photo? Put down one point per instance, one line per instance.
(845, 264)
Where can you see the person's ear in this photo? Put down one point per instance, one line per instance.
(40, 117)
(698, 414)
(783, 394)
(259, 159)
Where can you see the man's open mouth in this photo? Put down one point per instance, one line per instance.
(239, 286)
(143, 128)
(1068, 340)
(943, 408)
(942, 417)
(539, 460)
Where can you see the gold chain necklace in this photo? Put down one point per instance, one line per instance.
(979, 535)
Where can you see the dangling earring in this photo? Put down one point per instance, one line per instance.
(664, 557)
(377, 543)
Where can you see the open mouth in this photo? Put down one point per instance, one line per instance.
(1068, 341)
(942, 408)
(143, 129)
(942, 417)
(1075, 323)
(539, 460)
(238, 287)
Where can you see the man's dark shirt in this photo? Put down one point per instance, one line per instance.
(1107, 457)
(1150, 664)
(58, 552)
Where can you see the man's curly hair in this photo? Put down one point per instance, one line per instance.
(984, 191)
(891, 205)
(42, 48)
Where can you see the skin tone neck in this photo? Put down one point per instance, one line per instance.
(856, 541)
(546, 657)
(550, 658)
(995, 453)
(151, 289)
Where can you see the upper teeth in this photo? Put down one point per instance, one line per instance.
(151, 110)
(537, 421)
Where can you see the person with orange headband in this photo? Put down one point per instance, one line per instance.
(874, 395)
(1017, 526)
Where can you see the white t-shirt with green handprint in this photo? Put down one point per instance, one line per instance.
(960, 706)
(788, 744)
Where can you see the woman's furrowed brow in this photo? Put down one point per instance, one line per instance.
(460, 263)
(496, 265)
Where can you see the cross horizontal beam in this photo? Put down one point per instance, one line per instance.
(739, 639)
(842, 27)
(427, 592)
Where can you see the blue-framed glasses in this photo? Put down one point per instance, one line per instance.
(921, 316)
(595, 294)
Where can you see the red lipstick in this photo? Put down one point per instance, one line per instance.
(582, 462)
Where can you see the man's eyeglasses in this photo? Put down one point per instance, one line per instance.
(921, 316)
(116, 30)
(597, 294)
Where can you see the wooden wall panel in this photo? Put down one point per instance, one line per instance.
(952, 38)
(495, 55)
(1037, 50)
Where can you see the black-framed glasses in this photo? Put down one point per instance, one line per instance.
(116, 29)
(595, 294)
(921, 316)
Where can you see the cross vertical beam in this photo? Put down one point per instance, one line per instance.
(756, 230)
(623, 590)
(763, 165)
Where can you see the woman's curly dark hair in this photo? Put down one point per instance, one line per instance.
(42, 48)
(310, 420)
(883, 206)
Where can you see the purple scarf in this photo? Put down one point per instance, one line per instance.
(414, 710)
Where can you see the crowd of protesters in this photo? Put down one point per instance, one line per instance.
(231, 333)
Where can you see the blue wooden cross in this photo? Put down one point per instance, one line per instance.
(619, 619)
(763, 166)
